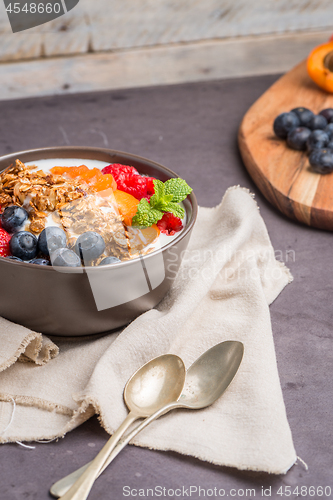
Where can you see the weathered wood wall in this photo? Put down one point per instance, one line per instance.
(107, 25)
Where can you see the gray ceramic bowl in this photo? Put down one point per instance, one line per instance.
(72, 302)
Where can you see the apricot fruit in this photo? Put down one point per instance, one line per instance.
(320, 66)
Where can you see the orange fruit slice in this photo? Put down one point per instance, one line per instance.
(127, 205)
(92, 177)
(139, 239)
(150, 234)
(105, 182)
(71, 172)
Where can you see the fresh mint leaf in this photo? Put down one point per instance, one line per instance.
(159, 191)
(176, 209)
(146, 215)
(178, 188)
(159, 200)
(166, 198)
(161, 203)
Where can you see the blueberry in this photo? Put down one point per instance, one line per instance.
(321, 161)
(65, 257)
(284, 123)
(328, 113)
(318, 139)
(89, 246)
(23, 245)
(13, 218)
(304, 114)
(317, 122)
(109, 260)
(330, 145)
(297, 138)
(50, 239)
(40, 262)
(329, 130)
(11, 257)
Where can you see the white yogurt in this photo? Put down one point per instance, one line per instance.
(47, 164)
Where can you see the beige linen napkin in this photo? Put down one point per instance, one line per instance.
(228, 278)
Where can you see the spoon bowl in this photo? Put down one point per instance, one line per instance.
(209, 376)
(155, 384)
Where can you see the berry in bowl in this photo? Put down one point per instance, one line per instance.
(90, 238)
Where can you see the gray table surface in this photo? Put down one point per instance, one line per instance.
(192, 129)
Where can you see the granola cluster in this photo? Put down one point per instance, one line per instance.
(98, 214)
(37, 191)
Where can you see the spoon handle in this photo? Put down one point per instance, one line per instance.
(63, 485)
(81, 488)
(124, 441)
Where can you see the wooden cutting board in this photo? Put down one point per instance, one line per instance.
(282, 174)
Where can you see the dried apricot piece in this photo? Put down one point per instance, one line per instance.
(104, 182)
(71, 172)
(127, 205)
(59, 170)
(139, 239)
(91, 176)
(75, 172)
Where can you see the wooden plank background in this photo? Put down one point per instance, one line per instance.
(164, 64)
(109, 25)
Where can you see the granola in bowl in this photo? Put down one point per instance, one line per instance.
(87, 216)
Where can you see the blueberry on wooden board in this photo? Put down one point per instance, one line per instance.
(318, 139)
(329, 130)
(321, 161)
(23, 245)
(317, 122)
(328, 113)
(284, 123)
(305, 115)
(297, 138)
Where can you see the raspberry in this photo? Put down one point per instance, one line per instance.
(4, 243)
(134, 185)
(170, 224)
(117, 170)
(130, 181)
(150, 187)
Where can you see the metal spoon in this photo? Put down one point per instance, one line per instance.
(206, 380)
(160, 380)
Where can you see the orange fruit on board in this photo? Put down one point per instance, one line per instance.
(127, 205)
(320, 66)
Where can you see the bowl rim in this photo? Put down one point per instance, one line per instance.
(113, 152)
